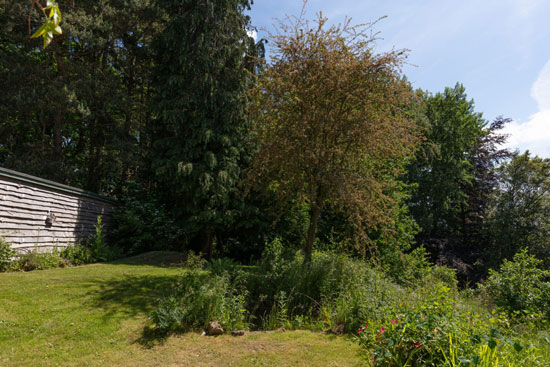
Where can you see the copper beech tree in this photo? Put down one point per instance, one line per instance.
(330, 117)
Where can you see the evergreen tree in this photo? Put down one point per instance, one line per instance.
(201, 134)
(75, 111)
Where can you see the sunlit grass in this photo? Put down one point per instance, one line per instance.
(96, 315)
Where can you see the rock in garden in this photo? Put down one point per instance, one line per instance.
(337, 329)
(237, 332)
(214, 328)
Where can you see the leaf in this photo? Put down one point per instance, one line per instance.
(40, 31)
(492, 344)
(518, 347)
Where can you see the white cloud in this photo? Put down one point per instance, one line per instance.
(526, 7)
(252, 33)
(534, 134)
(541, 89)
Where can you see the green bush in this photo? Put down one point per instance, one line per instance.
(98, 247)
(441, 275)
(77, 254)
(6, 255)
(201, 297)
(333, 289)
(35, 260)
(520, 287)
(434, 333)
(143, 224)
(222, 266)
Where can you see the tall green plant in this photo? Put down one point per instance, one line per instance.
(520, 287)
(6, 255)
(198, 298)
(201, 136)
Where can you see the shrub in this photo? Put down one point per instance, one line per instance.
(98, 247)
(441, 275)
(436, 334)
(201, 297)
(77, 254)
(333, 289)
(143, 224)
(6, 255)
(35, 260)
(222, 266)
(520, 286)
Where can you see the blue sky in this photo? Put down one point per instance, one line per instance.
(499, 50)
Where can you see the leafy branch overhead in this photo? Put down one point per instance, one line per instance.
(51, 26)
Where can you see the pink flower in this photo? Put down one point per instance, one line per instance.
(382, 330)
(366, 326)
(393, 321)
(359, 331)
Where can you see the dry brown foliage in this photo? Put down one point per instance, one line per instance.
(329, 115)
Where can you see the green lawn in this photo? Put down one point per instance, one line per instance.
(96, 315)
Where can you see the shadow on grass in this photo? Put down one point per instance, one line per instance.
(164, 259)
(152, 337)
(131, 296)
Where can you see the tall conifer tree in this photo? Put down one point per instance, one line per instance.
(201, 136)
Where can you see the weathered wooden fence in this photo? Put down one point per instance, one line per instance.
(37, 213)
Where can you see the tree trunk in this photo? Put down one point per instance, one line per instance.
(312, 230)
(208, 244)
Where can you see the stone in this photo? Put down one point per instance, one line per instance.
(214, 328)
(237, 332)
(338, 329)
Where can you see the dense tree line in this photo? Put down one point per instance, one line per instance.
(169, 107)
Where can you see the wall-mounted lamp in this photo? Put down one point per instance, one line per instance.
(50, 220)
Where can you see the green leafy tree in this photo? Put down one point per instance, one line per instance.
(331, 124)
(454, 176)
(201, 134)
(520, 211)
(75, 111)
(442, 168)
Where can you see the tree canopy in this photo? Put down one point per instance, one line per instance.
(200, 87)
(330, 119)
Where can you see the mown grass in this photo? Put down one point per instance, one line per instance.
(96, 315)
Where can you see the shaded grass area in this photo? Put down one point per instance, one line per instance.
(96, 315)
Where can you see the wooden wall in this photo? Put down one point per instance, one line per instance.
(27, 201)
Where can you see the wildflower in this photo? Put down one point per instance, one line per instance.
(381, 330)
(366, 326)
(393, 321)
(417, 344)
(359, 331)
